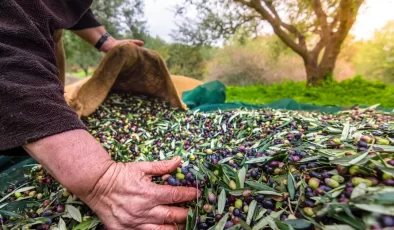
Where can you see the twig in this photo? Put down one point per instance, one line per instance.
(291, 210)
(298, 201)
(195, 224)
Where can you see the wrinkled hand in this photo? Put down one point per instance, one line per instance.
(126, 198)
(112, 42)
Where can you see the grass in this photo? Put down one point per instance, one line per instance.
(356, 91)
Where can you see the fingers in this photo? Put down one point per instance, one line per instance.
(166, 194)
(138, 42)
(168, 215)
(162, 227)
(161, 167)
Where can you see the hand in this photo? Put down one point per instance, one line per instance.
(122, 195)
(112, 42)
(125, 197)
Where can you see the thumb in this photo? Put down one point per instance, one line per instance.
(160, 167)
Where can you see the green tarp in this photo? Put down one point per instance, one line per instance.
(205, 98)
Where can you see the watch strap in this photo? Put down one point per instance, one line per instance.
(102, 40)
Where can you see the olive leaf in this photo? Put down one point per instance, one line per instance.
(241, 177)
(244, 225)
(235, 227)
(222, 201)
(354, 222)
(251, 211)
(190, 221)
(199, 175)
(18, 190)
(298, 223)
(269, 193)
(345, 131)
(261, 224)
(74, 213)
(377, 208)
(62, 225)
(88, 224)
(260, 186)
(10, 214)
(359, 190)
(290, 185)
(261, 214)
(338, 227)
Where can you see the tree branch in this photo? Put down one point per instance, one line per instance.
(288, 27)
(321, 17)
(347, 14)
(276, 24)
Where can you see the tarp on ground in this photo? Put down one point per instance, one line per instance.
(208, 97)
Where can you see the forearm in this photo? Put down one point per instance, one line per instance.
(74, 158)
(93, 35)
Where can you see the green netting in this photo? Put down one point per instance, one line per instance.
(207, 97)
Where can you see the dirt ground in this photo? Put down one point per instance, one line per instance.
(71, 79)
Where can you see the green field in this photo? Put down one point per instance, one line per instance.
(351, 92)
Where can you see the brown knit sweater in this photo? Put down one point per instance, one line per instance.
(32, 104)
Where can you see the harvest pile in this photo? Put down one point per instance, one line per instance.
(256, 169)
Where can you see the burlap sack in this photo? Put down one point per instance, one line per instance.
(128, 68)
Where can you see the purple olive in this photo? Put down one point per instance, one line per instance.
(60, 208)
(228, 224)
(274, 164)
(309, 203)
(260, 198)
(47, 212)
(43, 227)
(172, 181)
(218, 217)
(203, 225)
(268, 204)
(236, 212)
(212, 198)
(389, 182)
(388, 221)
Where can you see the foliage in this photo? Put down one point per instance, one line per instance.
(375, 57)
(121, 18)
(79, 52)
(263, 60)
(310, 28)
(185, 60)
(346, 93)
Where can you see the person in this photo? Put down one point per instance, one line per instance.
(35, 118)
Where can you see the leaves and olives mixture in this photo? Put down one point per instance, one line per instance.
(256, 169)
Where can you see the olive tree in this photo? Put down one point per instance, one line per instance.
(314, 29)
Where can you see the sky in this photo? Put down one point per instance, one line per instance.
(374, 15)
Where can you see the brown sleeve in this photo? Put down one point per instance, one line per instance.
(32, 104)
(87, 21)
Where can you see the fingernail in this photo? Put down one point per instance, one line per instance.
(175, 158)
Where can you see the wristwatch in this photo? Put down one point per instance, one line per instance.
(102, 40)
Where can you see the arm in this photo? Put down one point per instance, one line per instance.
(90, 30)
(122, 195)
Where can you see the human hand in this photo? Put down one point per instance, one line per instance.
(126, 198)
(112, 42)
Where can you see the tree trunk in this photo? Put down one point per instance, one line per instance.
(85, 70)
(313, 77)
(316, 72)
